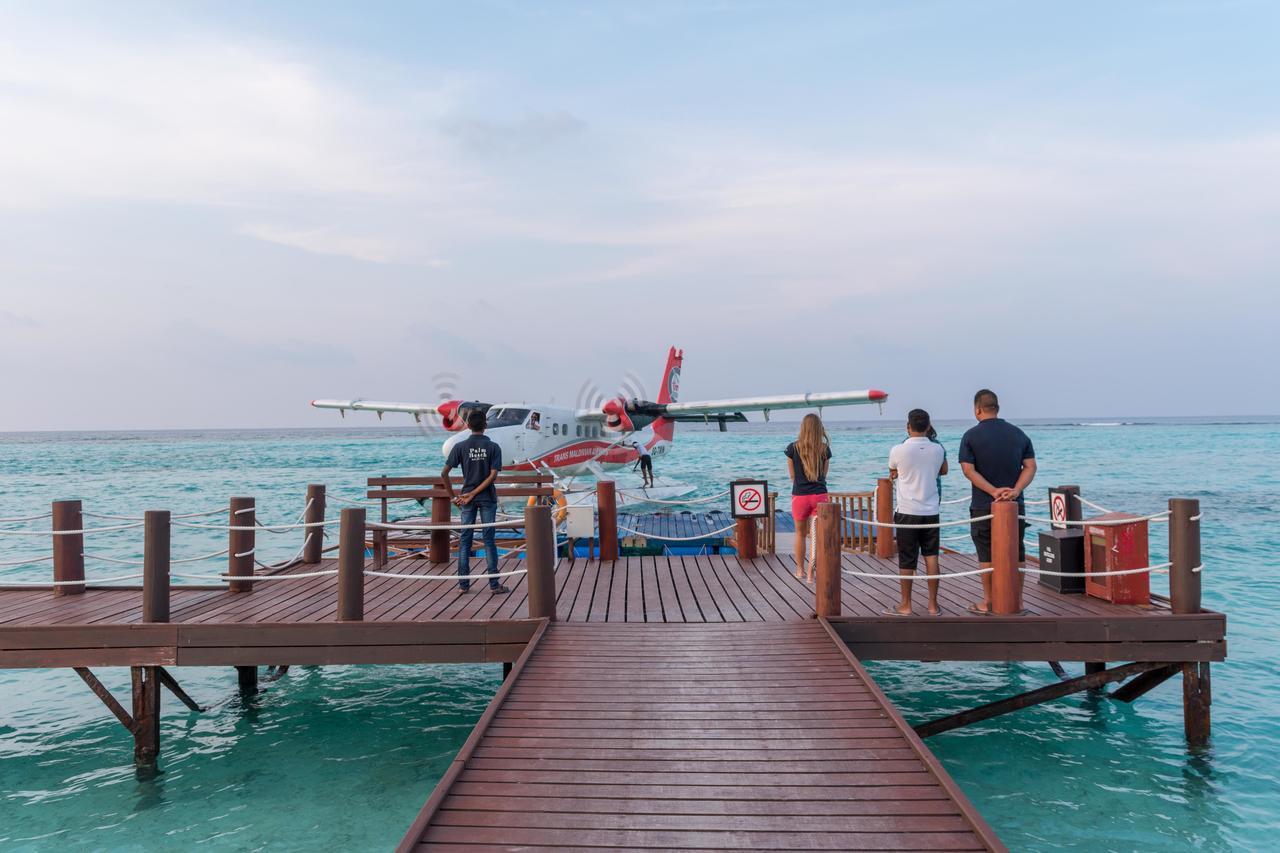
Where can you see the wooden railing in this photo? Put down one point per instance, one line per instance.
(767, 528)
(854, 537)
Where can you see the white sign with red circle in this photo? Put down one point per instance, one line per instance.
(749, 498)
(1058, 508)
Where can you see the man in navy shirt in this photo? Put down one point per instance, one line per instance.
(480, 459)
(1000, 462)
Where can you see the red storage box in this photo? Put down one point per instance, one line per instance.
(1114, 548)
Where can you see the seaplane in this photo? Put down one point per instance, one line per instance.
(599, 439)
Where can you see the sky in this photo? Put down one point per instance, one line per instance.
(213, 212)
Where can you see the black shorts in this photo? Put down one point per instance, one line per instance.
(646, 463)
(914, 541)
(981, 533)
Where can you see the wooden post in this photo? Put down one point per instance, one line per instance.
(607, 510)
(1184, 555)
(312, 547)
(68, 549)
(827, 560)
(155, 566)
(1196, 698)
(1006, 580)
(540, 560)
(441, 513)
(744, 538)
(884, 515)
(240, 543)
(146, 714)
(247, 679)
(351, 565)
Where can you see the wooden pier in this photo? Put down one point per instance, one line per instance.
(706, 701)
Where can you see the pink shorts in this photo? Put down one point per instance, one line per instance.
(804, 506)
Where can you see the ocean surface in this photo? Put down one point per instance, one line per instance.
(343, 757)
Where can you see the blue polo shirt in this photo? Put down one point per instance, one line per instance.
(996, 449)
(477, 456)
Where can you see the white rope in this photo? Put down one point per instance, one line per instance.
(1162, 567)
(86, 581)
(85, 530)
(958, 521)
(912, 576)
(646, 499)
(107, 559)
(27, 562)
(248, 553)
(201, 557)
(296, 557)
(360, 503)
(677, 538)
(141, 518)
(217, 578)
(954, 538)
(1196, 517)
(446, 577)
(1114, 522)
(389, 526)
(26, 518)
(255, 578)
(272, 528)
(956, 501)
(245, 509)
(1090, 503)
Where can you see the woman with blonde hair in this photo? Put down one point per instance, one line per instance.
(808, 458)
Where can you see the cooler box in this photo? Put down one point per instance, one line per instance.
(1063, 551)
(1114, 548)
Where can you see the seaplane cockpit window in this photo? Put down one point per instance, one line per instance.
(506, 417)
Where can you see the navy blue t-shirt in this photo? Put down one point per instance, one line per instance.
(996, 449)
(802, 485)
(477, 455)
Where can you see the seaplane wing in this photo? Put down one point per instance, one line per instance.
(379, 406)
(732, 408)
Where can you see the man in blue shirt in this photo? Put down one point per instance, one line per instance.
(998, 459)
(480, 459)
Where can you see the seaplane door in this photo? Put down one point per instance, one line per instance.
(527, 439)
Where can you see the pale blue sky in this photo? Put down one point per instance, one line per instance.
(211, 213)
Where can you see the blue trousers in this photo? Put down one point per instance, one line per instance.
(487, 513)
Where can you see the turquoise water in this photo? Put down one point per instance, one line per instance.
(344, 757)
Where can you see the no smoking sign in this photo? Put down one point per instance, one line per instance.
(748, 498)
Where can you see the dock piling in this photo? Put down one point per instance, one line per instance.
(351, 565)
(744, 538)
(540, 560)
(155, 566)
(146, 715)
(68, 549)
(438, 548)
(884, 515)
(607, 510)
(240, 543)
(313, 537)
(1006, 580)
(1184, 555)
(1196, 699)
(826, 555)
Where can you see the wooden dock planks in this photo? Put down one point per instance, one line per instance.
(661, 736)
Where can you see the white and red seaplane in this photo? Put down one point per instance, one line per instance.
(592, 441)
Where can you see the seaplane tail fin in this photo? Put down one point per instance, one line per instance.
(664, 428)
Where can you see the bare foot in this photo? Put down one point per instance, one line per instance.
(935, 610)
(898, 611)
(799, 576)
(981, 607)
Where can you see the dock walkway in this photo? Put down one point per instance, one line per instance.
(659, 736)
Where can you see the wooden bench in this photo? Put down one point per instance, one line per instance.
(388, 489)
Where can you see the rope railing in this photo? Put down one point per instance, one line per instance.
(1090, 503)
(677, 538)
(84, 582)
(1110, 522)
(85, 531)
(690, 501)
(404, 576)
(26, 562)
(140, 518)
(1160, 568)
(387, 525)
(271, 528)
(936, 524)
(21, 518)
(901, 577)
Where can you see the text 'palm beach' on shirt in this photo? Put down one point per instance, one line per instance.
(918, 461)
(477, 456)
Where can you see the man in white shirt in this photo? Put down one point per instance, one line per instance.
(916, 465)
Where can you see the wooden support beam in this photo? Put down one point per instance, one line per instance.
(155, 566)
(826, 556)
(100, 690)
(241, 543)
(247, 679)
(1006, 580)
(441, 513)
(1184, 555)
(540, 561)
(1033, 697)
(351, 565)
(68, 549)
(884, 515)
(146, 716)
(607, 513)
(176, 689)
(1196, 698)
(1144, 683)
(744, 538)
(313, 537)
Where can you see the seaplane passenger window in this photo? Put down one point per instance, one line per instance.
(555, 429)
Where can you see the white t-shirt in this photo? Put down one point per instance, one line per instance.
(917, 461)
